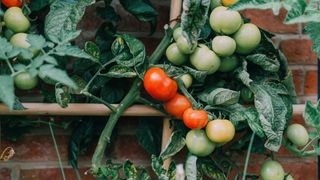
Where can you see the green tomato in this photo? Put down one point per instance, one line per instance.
(228, 64)
(25, 81)
(223, 45)
(203, 59)
(272, 170)
(198, 143)
(15, 20)
(184, 46)
(246, 95)
(177, 33)
(215, 3)
(175, 56)
(225, 21)
(298, 134)
(289, 177)
(187, 80)
(247, 38)
(20, 40)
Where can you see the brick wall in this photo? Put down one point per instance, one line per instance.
(35, 155)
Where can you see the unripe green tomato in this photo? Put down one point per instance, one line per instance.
(177, 33)
(203, 59)
(225, 21)
(15, 20)
(184, 46)
(228, 64)
(289, 177)
(223, 45)
(25, 81)
(187, 80)
(298, 134)
(247, 38)
(20, 40)
(215, 3)
(272, 170)
(175, 56)
(198, 143)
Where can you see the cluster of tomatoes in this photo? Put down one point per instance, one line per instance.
(16, 26)
(201, 143)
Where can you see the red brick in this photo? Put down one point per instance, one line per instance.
(298, 79)
(311, 83)
(53, 174)
(265, 19)
(298, 51)
(38, 148)
(5, 174)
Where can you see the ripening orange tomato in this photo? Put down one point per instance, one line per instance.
(12, 3)
(177, 105)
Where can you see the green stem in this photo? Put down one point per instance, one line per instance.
(78, 174)
(248, 157)
(10, 66)
(57, 150)
(125, 103)
(185, 92)
(110, 106)
(310, 142)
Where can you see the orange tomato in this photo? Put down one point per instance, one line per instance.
(12, 3)
(195, 119)
(177, 105)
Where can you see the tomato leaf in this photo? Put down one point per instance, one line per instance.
(5, 48)
(197, 75)
(63, 97)
(108, 13)
(36, 41)
(93, 49)
(193, 18)
(144, 175)
(174, 145)
(191, 167)
(311, 115)
(119, 71)
(313, 29)
(220, 96)
(143, 11)
(69, 50)
(64, 16)
(7, 91)
(242, 74)
(49, 71)
(302, 12)
(157, 167)
(36, 5)
(130, 170)
(275, 5)
(149, 136)
(266, 63)
(112, 92)
(210, 169)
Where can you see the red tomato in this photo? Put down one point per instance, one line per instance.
(159, 85)
(195, 119)
(177, 105)
(12, 3)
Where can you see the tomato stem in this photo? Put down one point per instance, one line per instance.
(185, 92)
(248, 157)
(10, 66)
(110, 106)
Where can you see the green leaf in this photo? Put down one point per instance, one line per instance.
(266, 63)
(174, 145)
(275, 5)
(119, 71)
(108, 13)
(220, 96)
(144, 175)
(157, 167)
(63, 96)
(252, 117)
(191, 167)
(93, 49)
(112, 93)
(302, 12)
(49, 71)
(5, 47)
(142, 10)
(7, 91)
(80, 139)
(36, 5)
(69, 50)
(210, 169)
(64, 16)
(311, 115)
(149, 136)
(193, 18)
(36, 41)
(133, 53)
(313, 29)
(129, 170)
(197, 75)
(242, 74)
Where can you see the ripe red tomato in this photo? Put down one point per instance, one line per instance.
(159, 85)
(12, 3)
(177, 105)
(195, 119)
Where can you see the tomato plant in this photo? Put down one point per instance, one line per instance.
(159, 85)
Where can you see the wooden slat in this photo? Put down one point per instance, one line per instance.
(42, 109)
